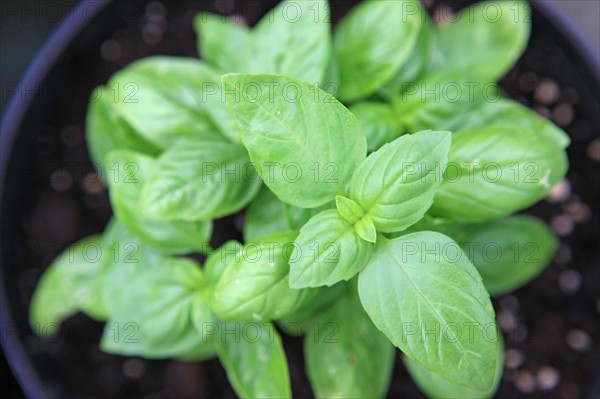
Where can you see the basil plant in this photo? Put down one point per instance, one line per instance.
(377, 169)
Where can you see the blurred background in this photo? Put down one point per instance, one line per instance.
(25, 25)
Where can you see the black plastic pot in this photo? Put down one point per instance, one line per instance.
(42, 133)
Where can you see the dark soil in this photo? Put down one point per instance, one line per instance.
(550, 326)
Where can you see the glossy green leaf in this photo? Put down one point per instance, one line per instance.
(125, 188)
(254, 286)
(106, 131)
(346, 356)
(425, 295)
(293, 39)
(441, 101)
(438, 387)
(328, 250)
(267, 214)
(418, 62)
(508, 252)
(365, 228)
(67, 286)
(371, 44)
(379, 122)
(223, 42)
(494, 171)
(127, 259)
(218, 260)
(163, 326)
(395, 185)
(304, 142)
(165, 98)
(199, 179)
(254, 358)
(485, 39)
(505, 111)
(348, 209)
(304, 318)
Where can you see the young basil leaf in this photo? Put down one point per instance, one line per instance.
(328, 250)
(125, 188)
(106, 131)
(67, 286)
(163, 326)
(371, 44)
(217, 261)
(425, 295)
(165, 98)
(346, 355)
(436, 386)
(348, 209)
(255, 285)
(254, 358)
(508, 252)
(503, 168)
(199, 179)
(366, 229)
(268, 215)
(294, 39)
(485, 39)
(379, 123)
(222, 42)
(505, 111)
(305, 144)
(397, 194)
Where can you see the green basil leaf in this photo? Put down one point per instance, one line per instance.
(348, 209)
(218, 260)
(440, 101)
(106, 131)
(164, 98)
(485, 39)
(255, 285)
(127, 259)
(508, 252)
(395, 185)
(163, 326)
(254, 358)
(328, 250)
(366, 229)
(265, 216)
(417, 63)
(425, 295)
(268, 215)
(199, 179)
(304, 318)
(346, 355)
(125, 188)
(218, 111)
(305, 147)
(294, 39)
(436, 386)
(503, 168)
(222, 42)
(505, 111)
(379, 123)
(371, 44)
(67, 286)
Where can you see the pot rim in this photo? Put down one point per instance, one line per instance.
(15, 110)
(13, 114)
